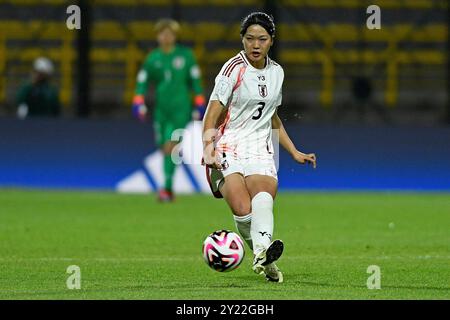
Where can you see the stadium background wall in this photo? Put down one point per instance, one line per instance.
(99, 154)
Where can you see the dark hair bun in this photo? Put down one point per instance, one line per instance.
(261, 18)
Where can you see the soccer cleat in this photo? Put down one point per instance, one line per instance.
(273, 273)
(267, 256)
(165, 196)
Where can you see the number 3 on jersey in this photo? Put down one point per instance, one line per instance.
(260, 110)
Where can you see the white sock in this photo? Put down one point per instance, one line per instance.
(262, 221)
(243, 225)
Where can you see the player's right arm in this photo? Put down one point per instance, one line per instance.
(222, 92)
(142, 81)
(213, 114)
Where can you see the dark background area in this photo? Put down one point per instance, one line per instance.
(337, 70)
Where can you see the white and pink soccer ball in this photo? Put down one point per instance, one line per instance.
(223, 250)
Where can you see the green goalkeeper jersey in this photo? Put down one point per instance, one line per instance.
(176, 79)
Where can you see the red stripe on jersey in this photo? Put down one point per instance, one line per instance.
(234, 66)
(223, 126)
(230, 64)
(240, 77)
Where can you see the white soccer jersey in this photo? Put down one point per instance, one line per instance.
(251, 96)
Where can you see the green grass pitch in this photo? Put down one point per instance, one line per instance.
(131, 247)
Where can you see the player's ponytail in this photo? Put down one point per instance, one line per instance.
(260, 18)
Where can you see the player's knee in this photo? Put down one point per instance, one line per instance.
(168, 148)
(242, 208)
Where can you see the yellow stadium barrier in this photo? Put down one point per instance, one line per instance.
(349, 4)
(388, 4)
(323, 52)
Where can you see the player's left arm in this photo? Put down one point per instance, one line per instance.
(289, 146)
(139, 107)
(197, 88)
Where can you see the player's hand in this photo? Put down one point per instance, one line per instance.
(139, 108)
(303, 158)
(211, 159)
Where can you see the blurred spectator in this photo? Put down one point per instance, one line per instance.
(37, 97)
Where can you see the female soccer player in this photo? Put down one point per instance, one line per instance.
(174, 72)
(237, 134)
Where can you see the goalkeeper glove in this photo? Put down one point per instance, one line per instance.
(200, 107)
(139, 108)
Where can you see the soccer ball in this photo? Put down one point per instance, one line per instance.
(223, 250)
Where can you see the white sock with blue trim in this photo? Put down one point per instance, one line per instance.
(262, 221)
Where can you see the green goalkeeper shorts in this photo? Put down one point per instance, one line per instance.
(167, 130)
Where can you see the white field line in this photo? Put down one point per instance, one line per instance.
(192, 258)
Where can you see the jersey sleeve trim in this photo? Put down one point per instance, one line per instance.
(244, 57)
(229, 64)
(233, 67)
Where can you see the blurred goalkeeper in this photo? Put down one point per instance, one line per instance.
(174, 72)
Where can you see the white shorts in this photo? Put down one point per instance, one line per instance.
(245, 167)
